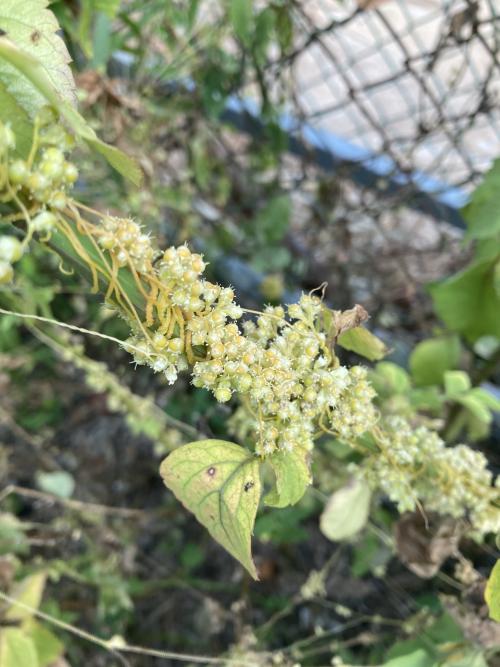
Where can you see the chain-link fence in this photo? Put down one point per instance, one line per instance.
(399, 99)
(392, 112)
(415, 81)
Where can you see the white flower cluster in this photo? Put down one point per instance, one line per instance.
(124, 239)
(289, 379)
(415, 465)
(190, 312)
(162, 355)
(209, 305)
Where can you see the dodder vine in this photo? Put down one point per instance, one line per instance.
(280, 366)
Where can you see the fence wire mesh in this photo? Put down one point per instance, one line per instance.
(409, 88)
(415, 80)
(394, 105)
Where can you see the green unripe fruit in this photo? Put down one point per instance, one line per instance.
(175, 345)
(197, 289)
(18, 172)
(189, 276)
(122, 257)
(223, 394)
(38, 182)
(10, 249)
(45, 221)
(70, 173)
(58, 201)
(106, 242)
(217, 350)
(198, 264)
(159, 341)
(310, 395)
(6, 272)
(244, 382)
(52, 169)
(53, 154)
(195, 304)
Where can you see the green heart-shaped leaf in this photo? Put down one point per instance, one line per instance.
(293, 476)
(219, 483)
(492, 593)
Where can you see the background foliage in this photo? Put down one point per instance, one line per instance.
(88, 534)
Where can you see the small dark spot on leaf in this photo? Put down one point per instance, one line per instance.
(248, 486)
(211, 472)
(2, 32)
(35, 36)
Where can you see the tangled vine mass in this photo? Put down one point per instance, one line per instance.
(280, 364)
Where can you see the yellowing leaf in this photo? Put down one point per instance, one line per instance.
(418, 658)
(292, 477)
(29, 591)
(48, 647)
(346, 512)
(363, 342)
(492, 592)
(219, 482)
(17, 649)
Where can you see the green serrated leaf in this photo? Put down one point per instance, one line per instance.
(32, 28)
(293, 476)
(492, 592)
(17, 649)
(363, 342)
(37, 76)
(432, 358)
(346, 511)
(219, 482)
